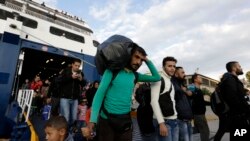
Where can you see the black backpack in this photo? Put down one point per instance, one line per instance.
(218, 105)
(145, 111)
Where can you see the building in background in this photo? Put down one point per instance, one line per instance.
(208, 85)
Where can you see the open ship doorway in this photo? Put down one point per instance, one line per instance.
(44, 64)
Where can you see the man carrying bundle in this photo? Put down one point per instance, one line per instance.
(113, 97)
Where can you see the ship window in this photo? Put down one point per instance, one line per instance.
(66, 34)
(2, 1)
(5, 14)
(56, 31)
(96, 43)
(27, 22)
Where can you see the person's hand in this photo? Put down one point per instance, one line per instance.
(80, 77)
(145, 59)
(248, 93)
(189, 93)
(35, 94)
(183, 88)
(163, 129)
(74, 75)
(49, 100)
(88, 131)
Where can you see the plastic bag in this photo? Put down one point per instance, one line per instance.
(114, 53)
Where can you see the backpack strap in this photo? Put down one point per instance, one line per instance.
(136, 77)
(115, 73)
(162, 85)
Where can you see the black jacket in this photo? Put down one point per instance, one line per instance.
(234, 94)
(198, 102)
(183, 105)
(55, 89)
(70, 88)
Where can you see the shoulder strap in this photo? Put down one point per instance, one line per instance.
(136, 77)
(170, 88)
(115, 73)
(162, 85)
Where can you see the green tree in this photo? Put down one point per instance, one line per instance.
(205, 91)
(248, 76)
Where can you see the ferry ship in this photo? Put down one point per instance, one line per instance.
(36, 39)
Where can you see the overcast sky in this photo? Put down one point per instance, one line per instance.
(203, 34)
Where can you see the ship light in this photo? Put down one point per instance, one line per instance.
(44, 48)
(65, 53)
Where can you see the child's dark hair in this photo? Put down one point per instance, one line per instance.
(58, 122)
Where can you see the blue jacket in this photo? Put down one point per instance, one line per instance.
(183, 105)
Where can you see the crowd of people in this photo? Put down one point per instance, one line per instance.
(68, 95)
(102, 111)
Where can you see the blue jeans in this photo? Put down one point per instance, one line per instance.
(68, 109)
(173, 130)
(185, 130)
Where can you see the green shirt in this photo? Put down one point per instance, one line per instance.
(118, 93)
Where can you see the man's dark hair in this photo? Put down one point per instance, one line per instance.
(168, 58)
(230, 65)
(58, 122)
(139, 49)
(76, 60)
(194, 76)
(177, 68)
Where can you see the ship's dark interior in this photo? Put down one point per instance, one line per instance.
(44, 64)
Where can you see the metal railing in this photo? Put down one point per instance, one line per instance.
(13, 6)
(40, 16)
(24, 100)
